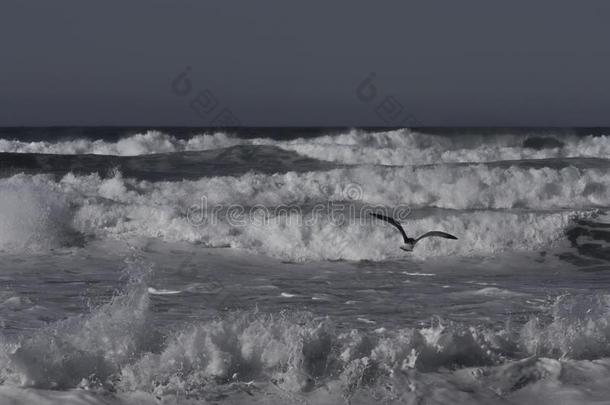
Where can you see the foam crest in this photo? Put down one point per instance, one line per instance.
(580, 328)
(398, 147)
(243, 347)
(139, 144)
(300, 353)
(363, 240)
(462, 187)
(296, 352)
(405, 147)
(293, 228)
(295, 237)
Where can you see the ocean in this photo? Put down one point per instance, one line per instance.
(200, 266)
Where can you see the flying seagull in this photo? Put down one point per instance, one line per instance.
(410, 242)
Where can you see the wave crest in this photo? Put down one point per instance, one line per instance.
(398, 147)
(298, 353)
(287, 223)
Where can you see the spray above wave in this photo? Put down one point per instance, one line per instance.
(399, 147)
(34, 216)
(299, 353)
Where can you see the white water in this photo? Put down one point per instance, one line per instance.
(247, 212)
(278, 288)
(278, 357)
(399, 147)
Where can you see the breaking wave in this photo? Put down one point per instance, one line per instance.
(404, 147)
(281, 356)
(398, 147)
(33, 216)
(139, 144)
(311, 216)
(441, 186)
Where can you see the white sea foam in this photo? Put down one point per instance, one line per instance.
(296, 238)
(497, 292)
(464, 187)
(162, 291)
(111, 350)
(580, 329)
(63, 354)
(34, 215)
(398, 147)
(123, 208)
(138, 144)
(404, 147)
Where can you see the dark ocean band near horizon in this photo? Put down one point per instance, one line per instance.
(115, 132)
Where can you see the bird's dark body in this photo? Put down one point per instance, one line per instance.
(409, 245)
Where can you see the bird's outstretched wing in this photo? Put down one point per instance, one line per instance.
(435, 233)
(393, 222)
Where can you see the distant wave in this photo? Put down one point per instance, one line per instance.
(404, 147)
(139, 144)
(398, 147)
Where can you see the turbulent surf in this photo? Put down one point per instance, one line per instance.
(244, 267)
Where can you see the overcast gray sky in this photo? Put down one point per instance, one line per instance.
(489, 63)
